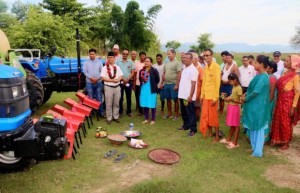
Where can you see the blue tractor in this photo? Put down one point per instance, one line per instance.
(20, 139)
(47, 74)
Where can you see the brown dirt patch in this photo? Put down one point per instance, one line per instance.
(287, 175)
(134, 173)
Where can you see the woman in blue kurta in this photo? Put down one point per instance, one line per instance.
(149, 79)
(256, 115)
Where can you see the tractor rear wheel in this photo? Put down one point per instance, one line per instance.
(35, 90)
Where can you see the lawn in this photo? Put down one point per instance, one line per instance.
(204, 167)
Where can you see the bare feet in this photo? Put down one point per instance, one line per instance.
(146, 121)
(284, 147)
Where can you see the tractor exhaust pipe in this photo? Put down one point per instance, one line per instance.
(78, 57)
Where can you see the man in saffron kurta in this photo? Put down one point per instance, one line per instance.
(209, 95)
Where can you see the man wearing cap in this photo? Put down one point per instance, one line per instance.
(92, 70)
(116, 52)
(111, 75)
(279, 62)
(128, 68)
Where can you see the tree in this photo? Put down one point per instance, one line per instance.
(70, 8)
(152, 14)
(137, 26)
(117, 25)
(295, 40)
(6, 19)
(3, 6)
(173, 44)
(62, 7)
(43, 30)
(204, 42)
(20, 9)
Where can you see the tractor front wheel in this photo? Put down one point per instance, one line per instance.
(8, 161)
(35, 90)
(47, 94)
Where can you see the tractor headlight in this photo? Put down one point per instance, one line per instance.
(15, 91)
(24, 87)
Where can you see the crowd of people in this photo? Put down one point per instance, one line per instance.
(262, 94)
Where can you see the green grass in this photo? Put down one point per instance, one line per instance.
(204, 167)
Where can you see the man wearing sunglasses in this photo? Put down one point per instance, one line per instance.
(127, 67)
(210, 95)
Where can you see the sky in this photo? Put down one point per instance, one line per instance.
(229, 21)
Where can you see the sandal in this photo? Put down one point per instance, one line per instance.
(110, 153)
(224, 141)
(232, 146)
(120, 157)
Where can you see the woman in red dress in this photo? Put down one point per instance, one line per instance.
(287, 99)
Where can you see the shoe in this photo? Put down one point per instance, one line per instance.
(182, 129)
(167, 117)
(108, 122)
(129, 115)
(139, 114)
(116, 120)
(146, 121)
(191, 134)
(152, 122)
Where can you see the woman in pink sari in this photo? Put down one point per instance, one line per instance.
(288, 95)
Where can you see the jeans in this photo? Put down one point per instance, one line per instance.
(128, 91)
(188, 116)
(95, 92)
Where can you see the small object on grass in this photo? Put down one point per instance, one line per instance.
(119, 157)
(102, 132)
(116, 139)
(110, 153)
(164, 156)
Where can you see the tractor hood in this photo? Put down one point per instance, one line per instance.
(9, 72)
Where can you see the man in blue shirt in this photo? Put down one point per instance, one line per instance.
(127, 67)
(92, 71)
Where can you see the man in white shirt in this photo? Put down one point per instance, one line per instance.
(111, 75)
(160, 68)
(187, 95)
(279, 62)
(247, 73)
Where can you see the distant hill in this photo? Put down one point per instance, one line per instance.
(242, 47)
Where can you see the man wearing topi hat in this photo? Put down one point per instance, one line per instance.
(116, 50)
(111, 75)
